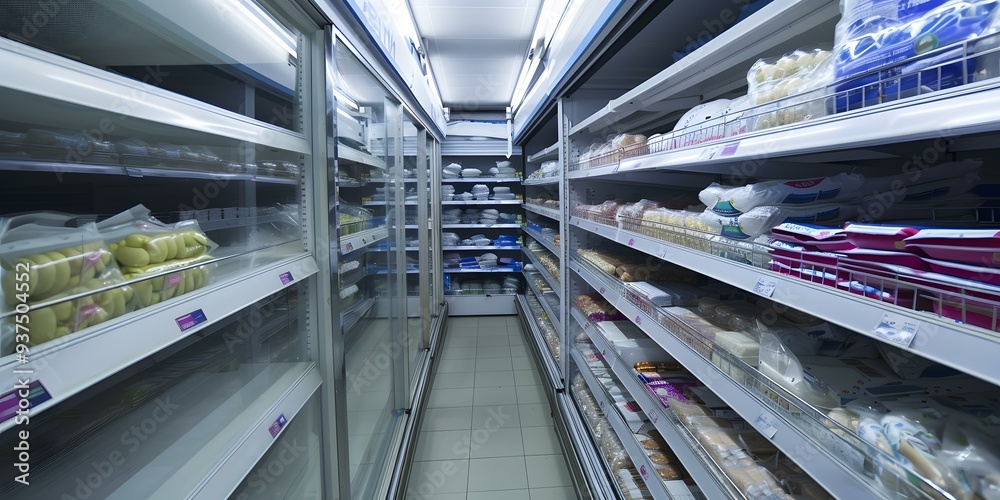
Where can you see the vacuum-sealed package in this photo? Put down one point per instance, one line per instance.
(885, 46)
(760, 220)
(803, 74)
(732, 200)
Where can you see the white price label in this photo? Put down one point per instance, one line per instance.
(661, 252)
(765, 287)
(710, 152)
(766, 424)
(654, 417)
(896, 329)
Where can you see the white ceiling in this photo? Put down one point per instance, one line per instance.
(476, 47)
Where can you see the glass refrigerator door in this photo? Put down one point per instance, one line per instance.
(155, 160)
(417, 260)
(363, 177)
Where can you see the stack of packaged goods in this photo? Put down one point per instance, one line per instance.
(503, 169)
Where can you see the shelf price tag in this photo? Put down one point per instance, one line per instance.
(278, 424)
(644, 472)
(133, 172)
(709, 152)
(661, 252)
(896, 329)
(191, 320)
(286, 278)
(654, 417)
(765, 287)
(766, 424)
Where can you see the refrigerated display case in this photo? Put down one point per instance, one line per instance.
(158, 175)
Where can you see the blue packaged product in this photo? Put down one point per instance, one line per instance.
(880, 40)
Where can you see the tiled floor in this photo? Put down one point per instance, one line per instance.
(487, 432)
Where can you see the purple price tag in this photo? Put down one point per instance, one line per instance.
(191, 320)
(286, 278)
(276, 427)
(37, 394)
(730, 149)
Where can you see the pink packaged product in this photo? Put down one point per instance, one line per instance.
(883, 257)
(878, 237)
(975, 273)
(969, 246)
(821, 238)
(797, 256)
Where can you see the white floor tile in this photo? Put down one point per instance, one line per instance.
(492, 352)
(496, 416)
(531, 394)
(547, 471)
(449, 398)
(535, 415)
(523, 363)
(515, 340)
(447, 419)
(494, 365)
(500, 495)
(442, 445)
(487, 396)
(463, 321)
(437, 496)
(492, 321)
(456, 365)
(468, 341)
(495, 474)
(460, 380)
(519, 351)
(493, 331)
(464, 332)
(458, 353)
(431, 479)
(493, 340)
(497, 443)
(526, 377)
(495, 379)
(540, 441)
(565, 493)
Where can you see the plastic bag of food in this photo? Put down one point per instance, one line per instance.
(734, 200)
(803, 74)
(43, 260)
(760, 220)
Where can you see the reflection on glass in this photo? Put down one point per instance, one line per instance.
(203, 49)
(293, 467)
(364, 160)
(156, 428)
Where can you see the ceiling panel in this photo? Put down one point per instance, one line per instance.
(476, 47)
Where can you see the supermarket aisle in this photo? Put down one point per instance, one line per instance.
(487, 432)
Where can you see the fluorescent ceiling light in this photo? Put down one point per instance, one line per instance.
(267, 25)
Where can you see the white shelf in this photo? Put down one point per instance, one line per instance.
(481, 305)
(353, 242)
(734, 49)
(551, 213)
(584, 173)
(487, 270)
(27, 165)
(967, 348)
(460, 248)
(69, 365)
(353, 156)
(544, 181)
(350, 318)
(828, 470)
(549, 153)
(483, 202)
(658, 488)
(81, 95)
(387, 180)
(481, 180)
(543, 241)
(477, 226)
(210, 431)
(541, 348)
(705, 472)
(554, 284)
(540, 295)
(585, 448)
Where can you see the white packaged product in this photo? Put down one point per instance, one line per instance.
(471, 172)
(731, 200)
(802, 73)
(760, 220)
(780, 365)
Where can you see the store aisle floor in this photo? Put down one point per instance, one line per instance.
(487, 432)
